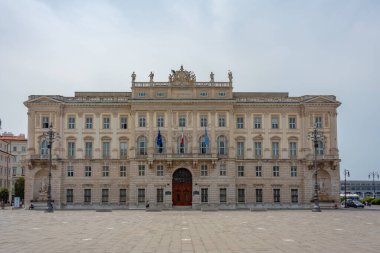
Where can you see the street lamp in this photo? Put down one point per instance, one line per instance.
(346, 173)
(50, 136)
(373, 174)
(316, 136)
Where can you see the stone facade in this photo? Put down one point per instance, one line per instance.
(17, 154)
(182, 142)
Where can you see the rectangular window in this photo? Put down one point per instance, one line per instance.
(123, 196)
(87, 171)
(88, 121)
(276, 195)
(70, 171)
(106, 122)
(88, 147)
(45, 122)
(160, 195)
(204, 170)
(160, 121)
(257, 122)
(160, 170)
(203, 120)
(276, 171)
(259, 171)
(182, 121)
(141, 170)
(275, 121)
(275, 149)
(240, 149)
(142, 121)
(240, 122)
(106, 171)
(258, 149)
(293, 149)
(71, 149)
(292, 122)
(259, 195)
(69, 196)
(222, 170)
(204, 195)
(106, 150)
(123, 171)
(293, 171)
(141, 195)
(222, 121)
(222, 195)
(123, 122)
(71, 122)
(241, 195)
(294, 195)
(123, 150)
(240, 171)
(318, 122)
(87, 196)
(105, 195)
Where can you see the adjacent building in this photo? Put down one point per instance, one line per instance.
(16, 147)
(363, 188)
(182, 143)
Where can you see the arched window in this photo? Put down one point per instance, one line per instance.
(44, 150)
(204, 145)
(222, 145)
(320, 148)
(160, 145)
(142, 145)
(182, 144)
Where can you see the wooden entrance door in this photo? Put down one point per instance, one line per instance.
(182, 188)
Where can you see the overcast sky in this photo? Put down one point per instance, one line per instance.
(300, 47)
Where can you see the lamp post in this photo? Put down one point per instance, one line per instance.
(316, 137)
(50, 136)
(346, 173)
(373, 174)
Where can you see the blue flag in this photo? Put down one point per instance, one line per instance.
(206, 137)
(159, 139)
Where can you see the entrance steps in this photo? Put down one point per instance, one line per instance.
(182, 208)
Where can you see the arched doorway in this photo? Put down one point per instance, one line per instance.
(182, 187)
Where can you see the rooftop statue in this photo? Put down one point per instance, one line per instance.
(133, 77)
(151, 75)
(230, 76)
(211, 77)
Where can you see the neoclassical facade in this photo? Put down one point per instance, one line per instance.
(182, 143)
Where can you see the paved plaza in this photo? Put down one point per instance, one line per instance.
(190, 231)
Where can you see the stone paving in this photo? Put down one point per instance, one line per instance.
(190, 231)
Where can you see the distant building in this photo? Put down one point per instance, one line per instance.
(17, 152)
(182, 143)
(363, 188)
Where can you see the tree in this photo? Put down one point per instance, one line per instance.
(4, 194)
(19, 187)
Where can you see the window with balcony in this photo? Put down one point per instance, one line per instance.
(71, 149)
(142, 145)
(240, 149)
(88, 149)
(123, 150)
(318, 122)
(275, 149)
(203, 120)
(106, 150)
(258, 149)
(222, 145)
(160, 121)
(182, 121)
(293, 149)
(320, 148)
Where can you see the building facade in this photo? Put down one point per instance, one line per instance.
(182, 143)
(363, 188)
(5, 176)
(17, 149)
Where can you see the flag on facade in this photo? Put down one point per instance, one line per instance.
(206, 137)
(159, 141)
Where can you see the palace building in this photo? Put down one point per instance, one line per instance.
(182, 143)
